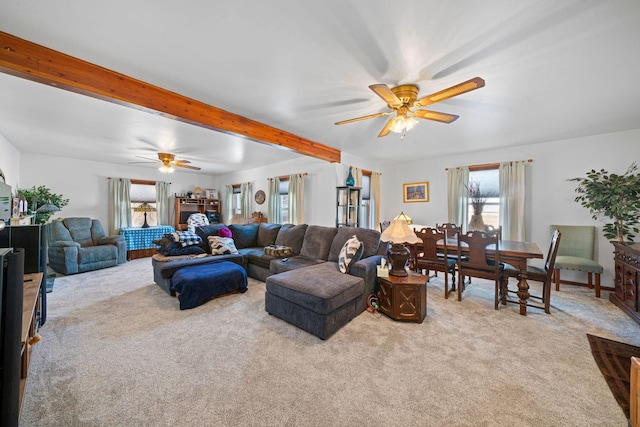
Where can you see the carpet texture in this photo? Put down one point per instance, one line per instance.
(614, 360)
(117, 351)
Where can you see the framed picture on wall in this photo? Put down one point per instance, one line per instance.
(415, 192)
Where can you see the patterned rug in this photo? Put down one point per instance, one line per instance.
(614, 360)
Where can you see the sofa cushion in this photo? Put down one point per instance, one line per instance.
(292, 236)
(317, 241)
(267, 234)
(350, 254)
(244, 235)
(293, 263)
(222, 245)
(256, 256)
(369, 238)
(320, 288)
(96, 254)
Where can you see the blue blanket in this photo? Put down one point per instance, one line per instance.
(198, 284)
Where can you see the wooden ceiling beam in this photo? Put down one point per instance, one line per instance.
(34, 62)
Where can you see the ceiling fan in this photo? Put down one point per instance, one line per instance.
(404, 103)
(168, 161)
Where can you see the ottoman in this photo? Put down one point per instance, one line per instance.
(198, 284)
(318, 299)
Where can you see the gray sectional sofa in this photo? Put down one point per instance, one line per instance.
(306, 288)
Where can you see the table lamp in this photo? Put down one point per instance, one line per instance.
(144, 207)
(398, 233)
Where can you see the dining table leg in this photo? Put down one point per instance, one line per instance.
(523, 287)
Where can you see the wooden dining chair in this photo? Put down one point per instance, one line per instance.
(452, 230)
(494, 230)
(384, 225)
(431, 258)
(537, 274)
(474, 260)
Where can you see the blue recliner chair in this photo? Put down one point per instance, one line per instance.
(77, 245)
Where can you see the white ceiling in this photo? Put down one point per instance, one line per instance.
(554, 69)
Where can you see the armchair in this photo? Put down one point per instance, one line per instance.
(77, 245)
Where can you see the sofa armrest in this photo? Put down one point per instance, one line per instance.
(366, 269)
(64, 244)
(111, 240)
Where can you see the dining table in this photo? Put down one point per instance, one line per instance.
(515, 253)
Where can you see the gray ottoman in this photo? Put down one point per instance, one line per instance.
(318, 299)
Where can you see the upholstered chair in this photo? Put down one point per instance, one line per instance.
(575, 252)
(77, 245)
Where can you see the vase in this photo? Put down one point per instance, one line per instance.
(350, 181)
(476, 223)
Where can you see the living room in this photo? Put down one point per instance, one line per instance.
(77, 163)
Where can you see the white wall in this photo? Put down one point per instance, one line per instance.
(551, 196)
(85, 183)
(10, 163)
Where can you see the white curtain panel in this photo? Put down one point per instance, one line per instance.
(512, 199)
(296, 199)
(119, 204)
(375, 202)
(273, 208)
(245, 199)
(357, 177)
(163, 208)
(457, 180)
(229, 207)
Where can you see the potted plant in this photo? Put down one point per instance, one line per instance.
(613, 196)
(38, 196)
(477, 200)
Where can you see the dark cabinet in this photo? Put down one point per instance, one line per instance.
(348, 206)
(626, 275)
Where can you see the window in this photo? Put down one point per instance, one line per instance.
(143, 193)
(284, 200)
(365, 210)
(488, 182)
(237, 201)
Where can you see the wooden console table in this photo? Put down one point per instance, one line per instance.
(404, 298)
(626, 275)
(30, 324)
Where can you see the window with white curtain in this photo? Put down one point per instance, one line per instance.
(284, 199)
(489, 182)
(365, 212)
(143, 193)
(237, 201)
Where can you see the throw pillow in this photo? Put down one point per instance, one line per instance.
(222, 245)
(179, 250)
(186, 238)
(350, 254)
(224, 232)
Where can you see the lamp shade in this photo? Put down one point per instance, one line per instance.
(404, 217)
(399, 232)
(48, 207)
(144, 207)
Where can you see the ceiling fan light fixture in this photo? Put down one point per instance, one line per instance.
(166, 168)
(403, 123)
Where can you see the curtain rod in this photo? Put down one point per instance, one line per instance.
(139, 181)
(489, 165)
(365, 171)
(281, 177)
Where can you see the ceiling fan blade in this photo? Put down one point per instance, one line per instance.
(186, 166)
(182, 161)
(385, 93)
(146, 158)
(469, 85)
(370, 116)
(387, 128)
(434, 115)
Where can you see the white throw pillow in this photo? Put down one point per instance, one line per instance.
(222, 245)
(349, 254)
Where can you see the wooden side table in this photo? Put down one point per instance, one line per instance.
(404, 298)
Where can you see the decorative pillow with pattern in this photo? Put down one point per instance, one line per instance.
(186, 238)
(222, 245)
(350, 253)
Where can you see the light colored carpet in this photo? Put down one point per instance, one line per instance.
(117, 351)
